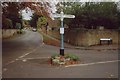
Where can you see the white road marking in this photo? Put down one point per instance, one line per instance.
(23, 55)
(34, 49)
(10, 62)
(24, 60)
(111, 75)
(16, 59)
(34, 58)
(87, 64)
(5, 69)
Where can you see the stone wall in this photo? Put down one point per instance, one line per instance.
(83, 37)
(6, 33)
(54, 33)
(90, 37)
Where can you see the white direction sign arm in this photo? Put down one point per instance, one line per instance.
(64, 16)
(56, 15)
(69, 16)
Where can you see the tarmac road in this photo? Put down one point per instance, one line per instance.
(13, 48)
(26, 57)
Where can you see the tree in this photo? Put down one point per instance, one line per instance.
(41, 21)
(11, 10)
(33, 21)
(92, 14)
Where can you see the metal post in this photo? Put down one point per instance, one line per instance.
(62, 36)
(62, 16)
(62, 41)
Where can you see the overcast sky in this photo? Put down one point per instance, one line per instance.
(27, 15)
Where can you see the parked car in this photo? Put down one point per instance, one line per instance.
(34, 29)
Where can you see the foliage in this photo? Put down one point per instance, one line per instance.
(18, 25)
(8, 12)
(8, 23)
(66, 59)
(37, 20)
(92, 14)
(71, 56)
(12, 10)
(54, 55)
(33, 21)
(41, 21)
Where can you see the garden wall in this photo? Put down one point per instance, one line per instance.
(83, 37)
(6, 33)
(90, 37)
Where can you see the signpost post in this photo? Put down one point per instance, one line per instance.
(62, 16)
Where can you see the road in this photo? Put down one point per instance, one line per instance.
(27, 56)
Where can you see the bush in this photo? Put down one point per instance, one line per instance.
(57, 59)
(8, 23)
(18, 25)
(71, 56)
(54, 55)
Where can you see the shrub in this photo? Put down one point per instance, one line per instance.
(8, 23)
(54, 55)
(72, 57)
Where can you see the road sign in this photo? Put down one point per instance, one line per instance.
(62, 16)
(69, 16)
(61, 30)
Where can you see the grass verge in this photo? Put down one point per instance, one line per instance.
(49, 40)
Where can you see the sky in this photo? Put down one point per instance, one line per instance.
(27, 16)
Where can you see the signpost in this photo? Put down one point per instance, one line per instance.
(62, 16)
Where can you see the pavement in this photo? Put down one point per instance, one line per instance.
(27, 57)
